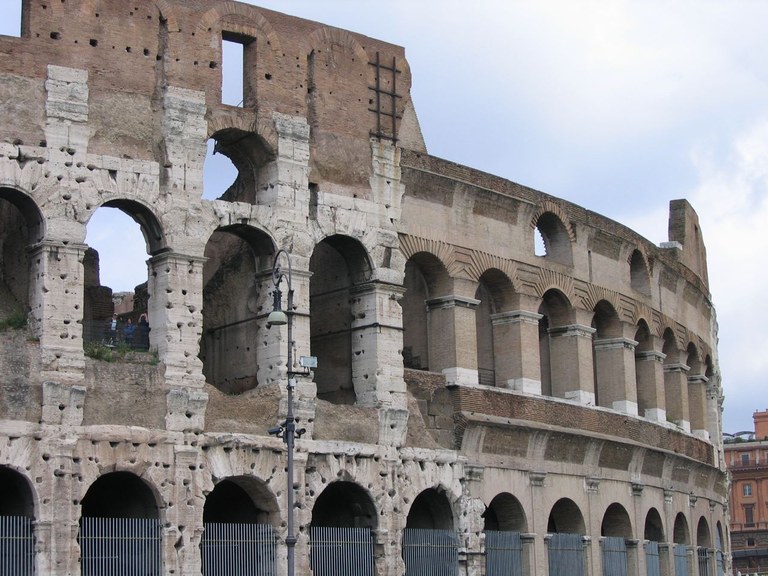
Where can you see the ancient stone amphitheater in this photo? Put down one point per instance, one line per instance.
(479, 406)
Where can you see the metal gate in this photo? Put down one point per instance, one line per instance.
(120, 547)
(238, 549)
(681, 560)
(652, 560)
(430, 552)
(614, 556)
(503, 553)
(704, 563)
(720, 563)
(566, 555)
(341, 551)
(17, 546)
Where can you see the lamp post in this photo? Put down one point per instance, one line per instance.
(287, 430)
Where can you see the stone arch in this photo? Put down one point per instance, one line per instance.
(565, 517)
(165, 10)
(339, 264)
(495, 293)
(17, 497)
(483, 262)
(680, 533)
(654, 526)
(703, 534)
(21, 225)
(556, 314)
(675, 380)
(647, 379)
(505, 513)
(606, 363)
(556, 233)
(120, 494)
(616, 522)
(639, 273)
(345, 504)
(241, 499)
(252, 154)
(236, 289)
(431, 510)
(252, 22)
(144, 216)
(426, 278)
(442, 251)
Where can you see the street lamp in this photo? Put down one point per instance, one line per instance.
(287, 430)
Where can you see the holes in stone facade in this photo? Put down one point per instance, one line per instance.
(555, 239)
(239, 168)
(238, 65)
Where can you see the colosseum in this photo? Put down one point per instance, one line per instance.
(445, 397)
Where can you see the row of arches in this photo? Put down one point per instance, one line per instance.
(241, 521)
(486, 330)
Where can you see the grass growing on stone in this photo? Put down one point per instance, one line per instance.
(120, 352)
(15, 321)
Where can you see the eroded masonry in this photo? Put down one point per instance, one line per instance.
(475, 404)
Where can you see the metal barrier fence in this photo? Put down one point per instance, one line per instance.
(430, 552)
(652, 559)
(341, 551)
(681, 560)
(101, 332)
(238, 549)
(704, 562)
(566, 554)
(503, 553)
(614, 556)
(17, 546)
(120, 547)
(720, 558)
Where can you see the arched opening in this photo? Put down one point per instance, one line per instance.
(238, 535)
(704, 550)
(615, 530)
(116, 294)
(504, 522)
(341, 533)
(556, 317)
(565, 539)
(675, 382)
(239, 167)
(429, 540)
(639, 277)
(494, 361)
(682, 540)
(17, 514)
(554, 236)
(120, 527)
(236, 286)
(653, 533)
(719, 554)
(425, 278)
(607, 357)
(697, 390)
(21, 226)
(645, 374)
(338, 264)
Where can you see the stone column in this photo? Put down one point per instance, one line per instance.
(175, 320)
(377, 365)
(571, 361)
(453, 338)
(666, 558)
(633, 564)
(697, 404)
(56, 301)
(676, 396)
(649, 369)
(516, 350)
(615, 373)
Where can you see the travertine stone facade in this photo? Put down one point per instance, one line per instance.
(464, 382)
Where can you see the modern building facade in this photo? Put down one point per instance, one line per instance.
(477, 407)
(746, 457)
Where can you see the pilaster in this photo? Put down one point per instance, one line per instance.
(454, 353)
(571, 363)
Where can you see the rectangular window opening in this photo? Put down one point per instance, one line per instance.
(747, 490)
(237, 70)
(11, 22)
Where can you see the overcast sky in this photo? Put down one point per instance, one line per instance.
(619, 106)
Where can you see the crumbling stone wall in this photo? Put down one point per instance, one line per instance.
(397, 259)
